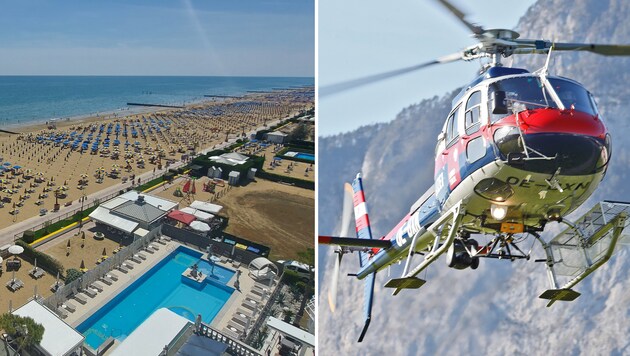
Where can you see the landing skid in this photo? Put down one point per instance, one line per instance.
(444, 231)
(582, 248)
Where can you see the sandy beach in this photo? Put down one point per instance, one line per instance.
(79, 157)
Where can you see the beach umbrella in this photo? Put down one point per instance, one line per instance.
(6, 164)
(13, 276)
(17, 167)
(68, 244)
(1, 259)
(16, 249)
(199, 226)
(104, 253)
(82, 267)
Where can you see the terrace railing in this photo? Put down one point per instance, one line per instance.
(262, 317)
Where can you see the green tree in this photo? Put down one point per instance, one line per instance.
(307, 257)
(72, 274)
(24, 330)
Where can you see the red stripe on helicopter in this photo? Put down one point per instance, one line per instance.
(362, 222)
(558, 121)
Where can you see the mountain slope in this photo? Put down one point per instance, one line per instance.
(495, 309)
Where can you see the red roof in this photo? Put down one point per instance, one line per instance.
(182, 216)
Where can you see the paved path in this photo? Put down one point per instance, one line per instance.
(7, 234)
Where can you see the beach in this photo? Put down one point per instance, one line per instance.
(65, 161)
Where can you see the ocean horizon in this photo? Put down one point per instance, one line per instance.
(28, 100)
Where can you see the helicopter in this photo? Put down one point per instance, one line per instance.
(517, 151)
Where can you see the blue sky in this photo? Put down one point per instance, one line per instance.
(158, 37)
(363, 37)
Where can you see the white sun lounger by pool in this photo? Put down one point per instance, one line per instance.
(249, 305)
(231, 334)
(62, 313)
(105, 279)
(141, 255)
(149, 250)
(80, 297)
(128, 265)
(97, 286)
(89, 292)
(246, 313)
(123, 268)
(69, 306)
(113, 276)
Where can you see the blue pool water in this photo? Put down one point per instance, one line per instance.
(306, 156)
(160, 287)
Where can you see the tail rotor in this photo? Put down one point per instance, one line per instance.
(346, 220)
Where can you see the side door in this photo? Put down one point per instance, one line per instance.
(474, 146)
(446, 162)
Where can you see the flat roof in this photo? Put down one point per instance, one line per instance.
(290, 330)
(103, 215)
(201, 215)
(111, 204)
(153, 334)
(59, 338)
(160, 203)
(207, 207)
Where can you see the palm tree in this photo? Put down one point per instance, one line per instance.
(307, 257)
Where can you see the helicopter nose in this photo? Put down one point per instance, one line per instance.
(575, 144)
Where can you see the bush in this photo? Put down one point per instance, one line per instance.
(28, 236)
(73, 274)
(278, 178)
(46, 262)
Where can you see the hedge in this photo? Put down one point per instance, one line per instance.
(150, 183)
(252, 162)
(59, 224)
(46, 262)
(278, 178)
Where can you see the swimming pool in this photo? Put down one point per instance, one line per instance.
(301, 155)
(160, 287)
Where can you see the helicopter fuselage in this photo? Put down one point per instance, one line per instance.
(516, 164)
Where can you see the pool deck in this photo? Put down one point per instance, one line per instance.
(220, 322)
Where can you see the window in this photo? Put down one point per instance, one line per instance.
(451, 128)
(473, 113)
(475, 150)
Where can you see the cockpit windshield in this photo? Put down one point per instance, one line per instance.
(532, 94)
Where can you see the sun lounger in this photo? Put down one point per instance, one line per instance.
(250, 305)
(154, 247)
(62, 313)
(236, 264)
(260, 287)
(128, 265)
(149, 250)
(123, 268)
(259, 293)
(80, 297)
(161, 242)
(113, 276)
(15, 284)
(231, 334)
(238, 319)
(141, 255)
(165, 238)
(97, 286)
(89, 292)
(135, 259)
(254, 298)
(69, 306)
(39, 273)
(236, 328)
(107, 280)
(245, 312)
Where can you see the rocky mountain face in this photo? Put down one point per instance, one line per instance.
(495, 309)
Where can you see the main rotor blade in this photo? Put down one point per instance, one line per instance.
(355, 83)
(543, 47)
(332, 292)
(461, 16)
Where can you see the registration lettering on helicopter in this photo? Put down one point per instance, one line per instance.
(409, 229)
(529, 183)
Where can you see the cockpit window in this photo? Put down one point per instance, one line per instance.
(527, 91)
(531, 93)
(573, 95)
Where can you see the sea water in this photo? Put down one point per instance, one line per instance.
(32, 99)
